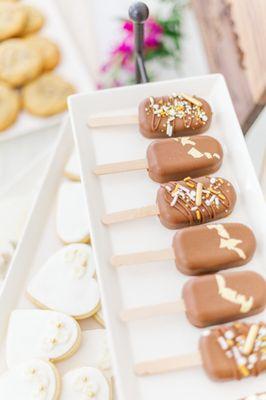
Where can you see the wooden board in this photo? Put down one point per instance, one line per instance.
(234, 33)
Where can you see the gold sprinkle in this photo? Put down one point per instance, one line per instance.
(187, 179)
(84, 379)
(213, 191)
(53, 340)
(175, 189)
(198, 215)
(190, 184)
(221, 196)
(244, 371)
(59, 325)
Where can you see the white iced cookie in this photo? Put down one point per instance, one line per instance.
(72, 168)
(66, 282)
(32, 380)
(48, 335)
(85, 383)
(72, 220)
(93, 352)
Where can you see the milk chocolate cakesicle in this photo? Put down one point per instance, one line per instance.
(162, 117)
(184, 203)
(201, 249)
(173, 159)
(230, 352)
(212, 299)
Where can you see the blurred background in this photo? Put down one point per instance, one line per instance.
(95, 43)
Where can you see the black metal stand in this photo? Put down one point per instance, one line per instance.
(139, 13)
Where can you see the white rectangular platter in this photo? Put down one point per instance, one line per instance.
(159, 282)
(38, 243)
(71, 67)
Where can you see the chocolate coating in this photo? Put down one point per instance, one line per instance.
(224, 297)
(186, 118)
(177, 206)
(209, 248)
(176, 158)
(222, 352)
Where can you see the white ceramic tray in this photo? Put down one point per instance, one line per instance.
(152, 283)
(71, 68)
(39, 241)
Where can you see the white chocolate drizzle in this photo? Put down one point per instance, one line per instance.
(232, 295)
(226, 242)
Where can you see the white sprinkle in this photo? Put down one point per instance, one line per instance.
(229, 334)
(222, 342)
(173, 202)
(212, 180)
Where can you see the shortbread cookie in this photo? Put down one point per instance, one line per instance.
(34, 21)
(66, 283)
(33, 379)
(72, 221)
(12, 20)
(19, 62)
(85, 381)
(99, 317)
(47, 95)
(49, 51)
(72, 169)
(44, 334)
(9, 106)
(93, 352)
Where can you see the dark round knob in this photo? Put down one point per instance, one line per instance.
(138, 12)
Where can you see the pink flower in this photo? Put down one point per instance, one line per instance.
(128, 26)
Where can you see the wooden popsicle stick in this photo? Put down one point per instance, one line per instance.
(169, 364)
(124, 166)
(129, 215)
(102, 120)
(142, 258)
(152, 311)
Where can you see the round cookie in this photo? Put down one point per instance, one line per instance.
(66, 283)
(19, 63)
(49, 51)
(9, 106)
(33, 379)
(47, 95)
(85, 381)
(44, 334)
(34, 21)
(12, 20)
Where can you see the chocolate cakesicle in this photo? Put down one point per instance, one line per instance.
(162, 117)
(212, 299)
(184, 203)
(173, 159)
(201, 249)
(230, 352)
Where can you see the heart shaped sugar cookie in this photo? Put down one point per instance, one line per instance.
(44, 334)
(32, 380)
(92, 352)
(66, 283)
(72, 219)
(85, 383)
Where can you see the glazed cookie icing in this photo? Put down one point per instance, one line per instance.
(85, 383)
(93, 351)
(44, 334)
(31, 380)
(66, 282)
(71, 215)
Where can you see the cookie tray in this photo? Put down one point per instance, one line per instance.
(39, 241)
(133, 286)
